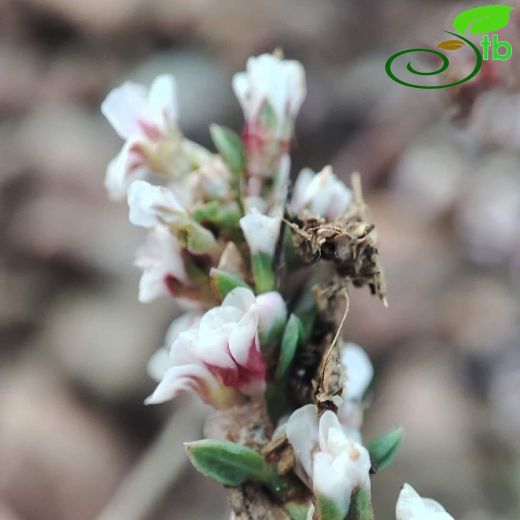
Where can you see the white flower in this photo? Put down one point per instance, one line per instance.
(359, 373)
(150, 205)
(270, 79)
(220, 352)
(145, 119)
(410, 506)
(160, 360)
(334, 463)
(323, 194)
(162, 264)
(261, 232)
(135, 112)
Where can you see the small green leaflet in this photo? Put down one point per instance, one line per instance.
(228, 463)
(229, 146)
(223, 282)
(383, 449)
(290, 341)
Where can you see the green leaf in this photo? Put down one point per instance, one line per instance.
(290, 341)
(383, 449)
(229, 146)
(223, 282)
(327, 509)
(307, 311)
(297, 510)
(224, 216)
(360, 506)
(484, 19)
(276, 400)
(228, 463)
(263, 274)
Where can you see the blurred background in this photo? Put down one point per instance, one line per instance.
(441, 171)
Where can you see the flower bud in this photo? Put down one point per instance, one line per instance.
(261, 234)
(411, 506)
(322, 194)
(270, 91)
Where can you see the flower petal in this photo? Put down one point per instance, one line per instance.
(411, 506)
(126, 166)
(160, 258)
(302, 433)
(193, 377)
(150, 205)
(261, 232)
(241, 298)
(123, 107)
(161, 107)
(359, 371)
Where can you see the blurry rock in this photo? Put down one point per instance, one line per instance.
(480, 314)
(240, 28)
(103, 340)
(504, 389)
(495, 120)
(194, 497)
(6, 513)
(58, 459)
(430, 174)
(92, 16)
(420, 393)
(20, 87)
(488, 212)
(70, 148)
(96, 234)
(77, 75)
(25, 290)
(417, 260)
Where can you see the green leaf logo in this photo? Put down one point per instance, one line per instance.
(484, 19)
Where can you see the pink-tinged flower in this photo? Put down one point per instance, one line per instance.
(332, 463)
(162, 264)
(322, 194)
(220, 355)
(144, 118)
(411, 506)
(359, 373)
(270, 91)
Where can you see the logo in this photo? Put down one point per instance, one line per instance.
(478, 21)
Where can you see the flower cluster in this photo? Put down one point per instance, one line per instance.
(224, 235)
